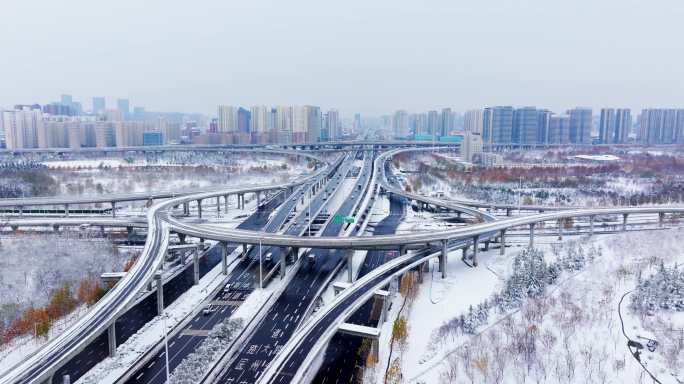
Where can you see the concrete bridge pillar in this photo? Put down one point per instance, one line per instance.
(218, 204)
(532, 235)
(443, 259)
(486, 245)
(195, 265)
(661, 219)
(295, 254)
(181, 238)
(55, 227)
(624, 221)
(258, 198)
(199, 208)
(244, 250)
(66, 379)
(402, 250)
(591, 225)
(350, 266)
(508, 211)
(111, 338)
(476, 245)
(21, 211)
(560, 229)
(502, 237)
(186, 209)
(66, 210)
(283, 264)
(160, 292)
(224, 258)
(225, 201)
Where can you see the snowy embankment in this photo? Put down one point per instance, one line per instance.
(569, 333)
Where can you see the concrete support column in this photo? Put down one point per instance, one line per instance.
(258, 197)
(218, 204)
(244, 250)
(443, 259)
(111, 338)
(21, 211)
(55, 227)
(624, 221)
(66, 379)
(283, 264)
(66, 210)
(476, 246)
(532, 235)
(225, 200)
(486, 247)
(560, 229)
(199, 208)
(186, 209)
(591, 225)
(502, 236)
(160, 292)
(181, 237)
(224, 258)
(350, 266)
(464, 255)
(195, 265)
(295, 253)
(508, 211)
(661, 219)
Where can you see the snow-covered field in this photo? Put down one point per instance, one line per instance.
(569, 334)
(173, 171)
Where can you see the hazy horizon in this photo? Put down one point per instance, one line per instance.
(355, 56)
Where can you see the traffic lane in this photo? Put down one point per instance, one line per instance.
(286, 313)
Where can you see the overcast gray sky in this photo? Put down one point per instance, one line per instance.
(370, 56)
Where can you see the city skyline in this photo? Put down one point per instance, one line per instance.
(357, 57)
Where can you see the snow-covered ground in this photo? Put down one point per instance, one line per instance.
(33, 265)
(574, 328)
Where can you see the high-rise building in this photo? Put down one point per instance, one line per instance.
(283, 124)
(21, 128)
(543, 121)
(559, 130)
(123, 105)
(358, 124)
(332, 125)
(400, 124)
(581, 122)
(67, 100)
(447, 123)
(433, 123)
(497, 126)
(313, 123)
(244, 117)
(261, 124)
(473, 120)
(525, 126)
(661, 126)
(99, 105)
(471, 145)
(227, 119)
(615, 125)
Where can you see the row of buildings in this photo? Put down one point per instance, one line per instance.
(282, 124)
(431, 123)
(530, 126)
(31, 128)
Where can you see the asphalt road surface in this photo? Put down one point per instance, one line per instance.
(287, 312)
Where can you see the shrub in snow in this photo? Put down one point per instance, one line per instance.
(192, 368)
(662, 290)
